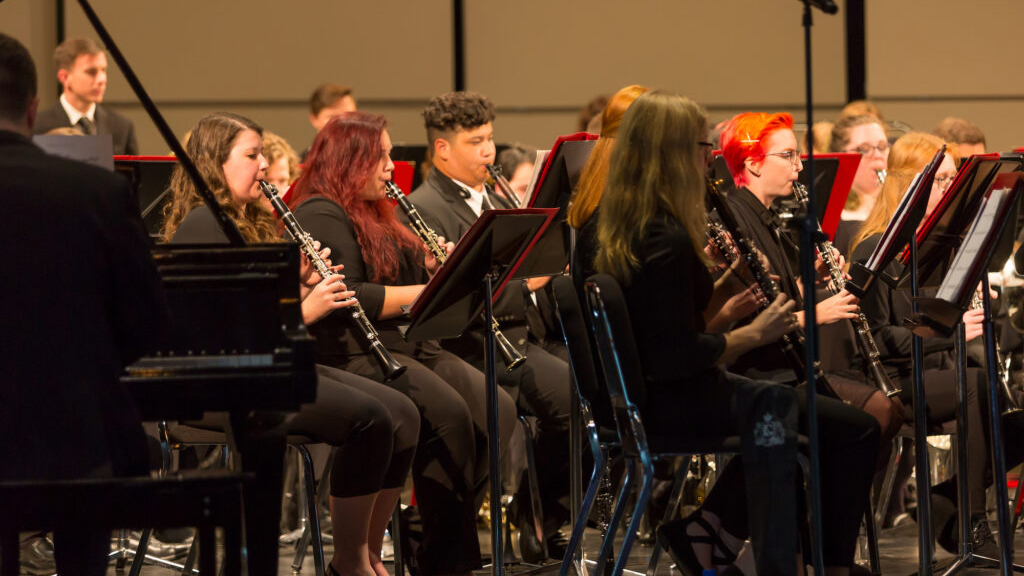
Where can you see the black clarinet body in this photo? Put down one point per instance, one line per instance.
(509, 354)
(390, 367)
(792, 343)
(861, 328)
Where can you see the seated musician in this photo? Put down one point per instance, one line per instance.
(651, 231)
(374, 427)
(63, 412)
(460, 132)
(339, 199)
(762, 155)
(586, 199)
(886, 308)
(862, 134)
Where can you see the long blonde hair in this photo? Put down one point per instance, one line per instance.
(595, 171)
(909, 154)
(656, 167)
(209, 145)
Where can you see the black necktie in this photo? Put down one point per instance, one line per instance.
(87, 126)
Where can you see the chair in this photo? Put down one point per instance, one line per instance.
(600, 425)
(181, 436)
(205, 501)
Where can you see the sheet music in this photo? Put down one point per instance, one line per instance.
(973, 242)
(538, 166)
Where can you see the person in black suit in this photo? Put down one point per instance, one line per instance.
(82, 71)
(63, 411)
(454, 194)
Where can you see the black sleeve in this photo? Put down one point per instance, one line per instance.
(885, 309)
(200, 226)
(667, 301)
(138, 303)
(327, 222)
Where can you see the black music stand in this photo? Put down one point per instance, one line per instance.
(898, 234)
(942, 232)
(554, 188)
(942, 314)
(489, 253)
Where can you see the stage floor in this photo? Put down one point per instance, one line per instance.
(897, 548)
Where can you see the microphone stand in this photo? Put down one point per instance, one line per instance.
(807, 241)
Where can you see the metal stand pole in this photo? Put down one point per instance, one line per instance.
(925, 538)
(810, 319)
(995, 419)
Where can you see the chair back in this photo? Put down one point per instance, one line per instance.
(620, 362)
(588, 381)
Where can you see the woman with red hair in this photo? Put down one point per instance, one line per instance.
(340, 201)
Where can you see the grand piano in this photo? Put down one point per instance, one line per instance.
(236, 345)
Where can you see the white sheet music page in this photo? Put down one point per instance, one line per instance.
(973, 242)
(901, 209)
(538, 165)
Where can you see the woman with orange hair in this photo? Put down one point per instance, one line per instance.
(762, 154)
(588, 192)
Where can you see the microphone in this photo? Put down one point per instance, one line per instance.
(826, 6)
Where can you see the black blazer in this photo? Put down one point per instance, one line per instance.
(121, 129)
(80, 298)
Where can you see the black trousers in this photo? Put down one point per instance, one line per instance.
(541, 388)
(451, 464)
(768, 514)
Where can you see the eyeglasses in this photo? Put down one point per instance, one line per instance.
(943, 182)
(709, 145)
(793, 156)
(865, 149)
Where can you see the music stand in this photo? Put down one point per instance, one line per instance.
(942, 231)
(943, 314)
(898, 233)
(487, 254)
(833, 177)
(554, 188)
(150, 177)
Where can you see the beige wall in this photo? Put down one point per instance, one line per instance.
(541, 60)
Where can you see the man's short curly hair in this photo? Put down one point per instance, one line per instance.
(454, 111)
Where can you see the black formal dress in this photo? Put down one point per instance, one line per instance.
(541, 386)
(450, 469)
(121, 129)
(80, 299)
(374, 427)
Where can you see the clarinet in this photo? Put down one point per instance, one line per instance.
(509, 355)
(1002, 368)
(391, 368)
(861, 328)
(501, 183)
(792, 343)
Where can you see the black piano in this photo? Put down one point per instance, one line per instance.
(237, 344)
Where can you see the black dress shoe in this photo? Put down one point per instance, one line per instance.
(557, 544)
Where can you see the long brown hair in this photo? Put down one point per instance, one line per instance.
(209, 146)
(909, 154)
(342, 160)
(595, 171)
(656, 168)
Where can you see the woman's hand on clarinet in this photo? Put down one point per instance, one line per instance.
(973, 319)
(841, 306)
(776, 320)
(307, 272)
(430, 262)
(326, 297)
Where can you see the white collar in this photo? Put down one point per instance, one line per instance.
(74, 115)
(475, 199)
